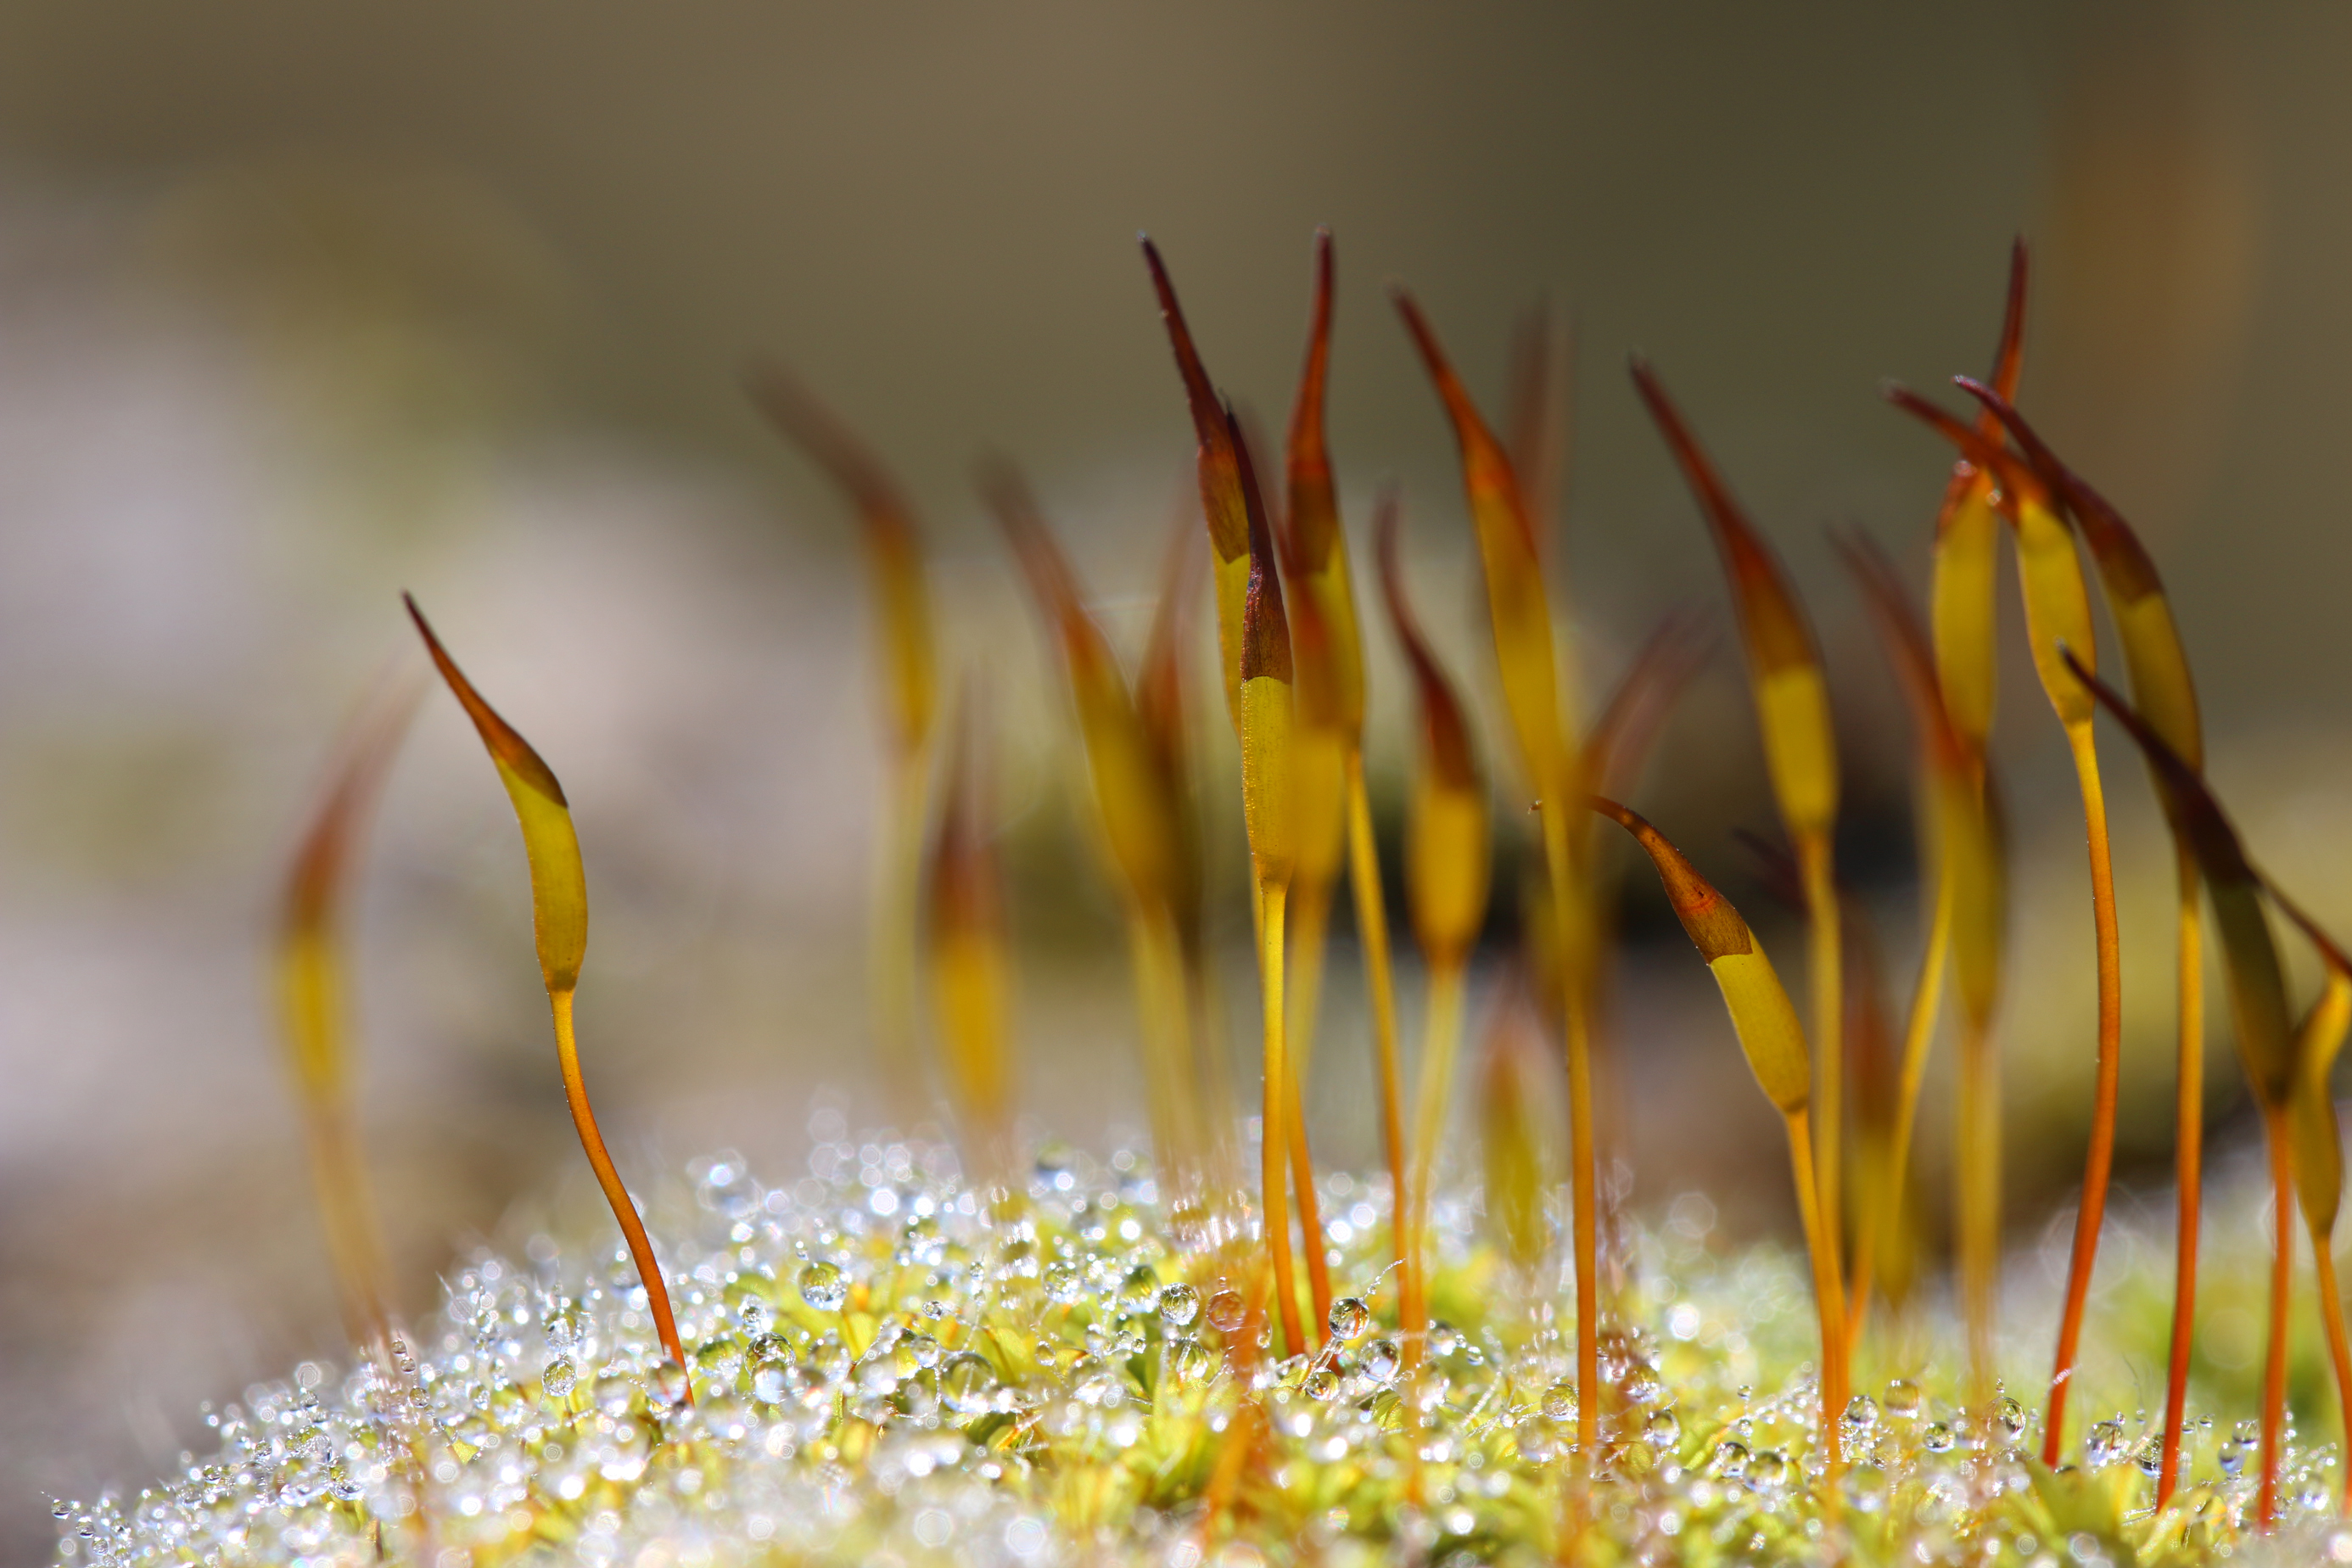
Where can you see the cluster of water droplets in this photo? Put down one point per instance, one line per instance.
(887, 1364)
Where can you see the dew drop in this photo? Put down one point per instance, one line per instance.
(1064, 1283)
(1560, 1401)
(1179, 1305)
(1349, 1318)
(558, 1378)
(1902, 1399)
(1226, 1311)
(2102, 1444)
(823, 1287)
(1140, 1292)
(967, 1384)
(1190, 1362)
(1380, 1361)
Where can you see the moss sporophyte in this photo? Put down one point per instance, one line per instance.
(969, 1349)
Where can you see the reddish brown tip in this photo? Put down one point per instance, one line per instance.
(1777, 635)
(1265, 629)
(804, 420)
(1621, 738)
(2010, 360)
(1907, 643)
(1199, 394)
(1008, 495)
(2014, 479)
(1444, 727)
(497, 734)
(2126, 560)
(1712, 925)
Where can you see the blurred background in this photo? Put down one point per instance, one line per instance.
(300, 306)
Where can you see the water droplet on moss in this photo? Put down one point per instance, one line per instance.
(1349, 1318)
(823, 1287)
(967, 1384)
(1179, 1305)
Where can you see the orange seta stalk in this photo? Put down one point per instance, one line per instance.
(907, 656)
(1372, 933)
(1792, 713)
(2189, 1172)
(1543, 726)
(2274, 1358)
(313, 1011)
(1447, 857)
(2061, 639)
(1773, 1041)
(558, 896)
(2099, 1160)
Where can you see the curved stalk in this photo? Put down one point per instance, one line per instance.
(1823, 920)
(2099, 1160)
(1441, 1044)
(1884, 1213)
(625, 1209)
(1372, 931)
(1979, 1201)
(1160, 1009)
(1583, 1228)
(2281, 1281)
(1274, 1142)
(1310, 1208)
(2339, 1349)
(2187, 1144)
(1829, 1296)
(890, 936)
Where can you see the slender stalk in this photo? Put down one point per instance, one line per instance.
(2188, 1167)
(1310, 927)
(1372, 931)
(1829, 1296)
(2100, 1158)
(592, 1143)
(2281, 1281)
(1310, 1210)
(1273, 1141)
(1441, 1045)
(2340, 1350)
(354, 1239)
(1979, 1201)
(1884, 1211)
(899, 870)
(1561, 865)
(1823, 920)
(1159, 995)
(1212, 1071)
